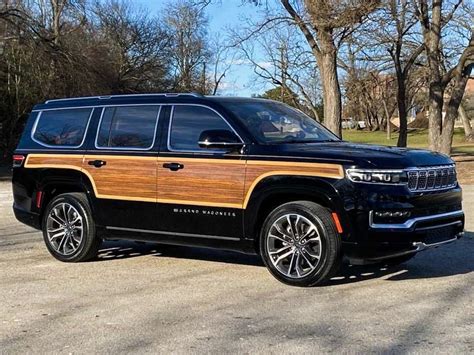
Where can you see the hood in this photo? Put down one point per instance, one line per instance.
(360, 155)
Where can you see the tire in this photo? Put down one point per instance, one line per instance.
(303, 230)
(69, 229)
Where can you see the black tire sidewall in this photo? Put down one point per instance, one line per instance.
(88, 227)
(326, 232)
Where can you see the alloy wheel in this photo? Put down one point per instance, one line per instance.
(294, 245)
(64, 228)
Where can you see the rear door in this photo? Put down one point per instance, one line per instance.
(199, 191)
(122, 166)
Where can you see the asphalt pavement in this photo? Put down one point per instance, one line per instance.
(155, 298)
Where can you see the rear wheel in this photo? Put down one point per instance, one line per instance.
(69, 229)
(299, 244)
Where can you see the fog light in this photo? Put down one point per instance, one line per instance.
(392, 214)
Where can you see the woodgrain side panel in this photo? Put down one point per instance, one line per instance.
(206, 182)
(256, 171)
(124, 177)
(202, 182)
(227, 183)
(66, 161)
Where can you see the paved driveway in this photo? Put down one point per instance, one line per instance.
(150, 298)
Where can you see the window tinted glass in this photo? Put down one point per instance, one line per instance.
(273, 122)
(189, 122)
(62, 127)
(128, 127)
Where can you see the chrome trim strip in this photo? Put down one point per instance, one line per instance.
(168, 141)
(99, 105)
(33, 130)
(105, 97)
(205, 236)
(410, 222)
(127, 148)
(419, 246)
(431, 167)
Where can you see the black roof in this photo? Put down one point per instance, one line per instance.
(139, 98)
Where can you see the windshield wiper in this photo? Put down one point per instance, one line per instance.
(308, 141)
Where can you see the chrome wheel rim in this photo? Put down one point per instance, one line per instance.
(64, 228)
(294, 245)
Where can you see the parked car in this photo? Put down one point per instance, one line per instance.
(348, 123)
(226, 173)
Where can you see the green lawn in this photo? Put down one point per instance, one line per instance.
(416, 139)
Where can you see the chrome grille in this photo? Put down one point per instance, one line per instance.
(432, 178)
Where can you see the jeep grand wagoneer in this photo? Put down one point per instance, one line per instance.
(243, 174)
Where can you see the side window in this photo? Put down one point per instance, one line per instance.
(128, 127)
(187, 124)
(64, 127)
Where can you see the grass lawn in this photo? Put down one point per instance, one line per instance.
(416, 139)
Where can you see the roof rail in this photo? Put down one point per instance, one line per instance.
(106, 97)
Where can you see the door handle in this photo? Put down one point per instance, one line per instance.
(97, 163)
(173, 166)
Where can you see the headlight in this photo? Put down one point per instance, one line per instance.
(377, 176)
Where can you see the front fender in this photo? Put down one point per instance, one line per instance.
(276, 190)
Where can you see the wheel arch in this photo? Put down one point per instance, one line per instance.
(277, 190)
(54, 182)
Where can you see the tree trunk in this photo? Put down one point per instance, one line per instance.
(435, 115)
(331, 88)
(325, 53)
(387, 120)
(452, 113)
(468, 134)
(402, 115)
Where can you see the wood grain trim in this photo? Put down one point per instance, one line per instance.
(75, 162)
(202, 182)
(274, 173)
(202, 160)
(255, 172)
(130, 177)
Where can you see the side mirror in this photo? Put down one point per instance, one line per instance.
(219, 139)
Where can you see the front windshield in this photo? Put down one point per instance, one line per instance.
(273, 122)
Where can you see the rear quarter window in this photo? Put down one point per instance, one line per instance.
(62, 128)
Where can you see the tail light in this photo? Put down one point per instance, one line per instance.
(18, 160)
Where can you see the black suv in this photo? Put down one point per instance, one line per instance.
(250, 175)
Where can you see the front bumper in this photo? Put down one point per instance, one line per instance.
(433, 219)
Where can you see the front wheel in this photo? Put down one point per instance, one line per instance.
(299, 244)
(69, 229)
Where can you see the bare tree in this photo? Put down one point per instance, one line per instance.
(447, 76)
(388, 40)
(136, 48)
(324, 25)
(187, 24)
(468, 132)
(222, 58)
(285, 61)
(60, 48)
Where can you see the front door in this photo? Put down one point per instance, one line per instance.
(200, 192)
